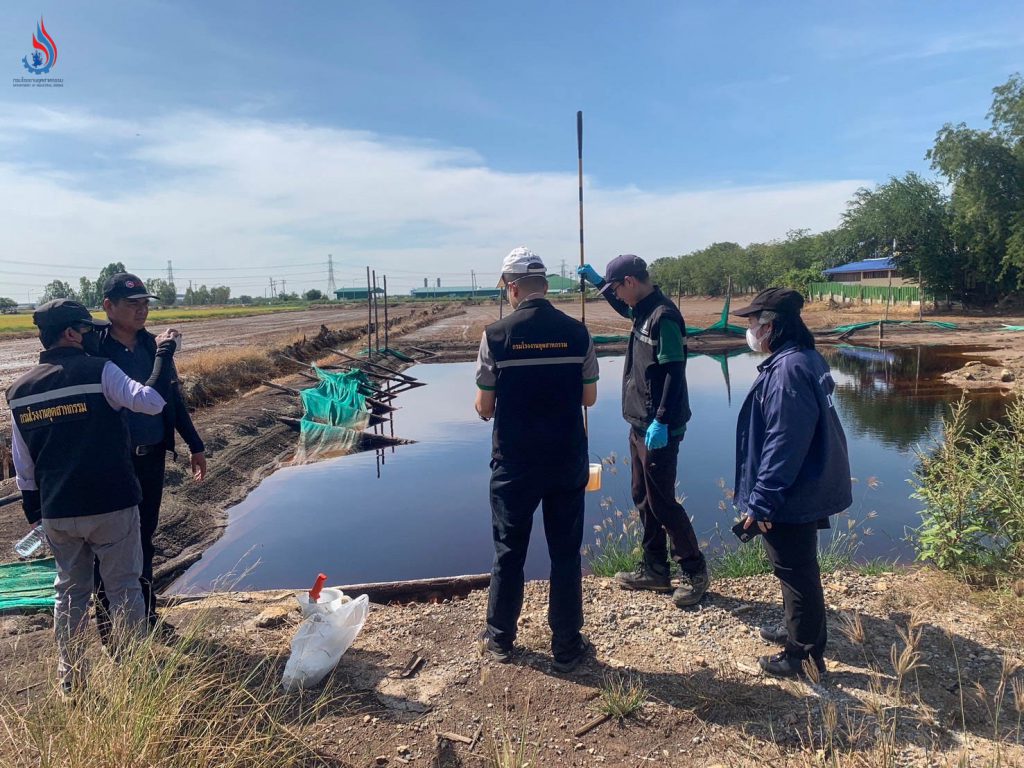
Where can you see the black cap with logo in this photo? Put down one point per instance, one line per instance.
(64, 313)
(782, 300)
(125, 285)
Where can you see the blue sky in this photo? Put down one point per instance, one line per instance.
(248, 140)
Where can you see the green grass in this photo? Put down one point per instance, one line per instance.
(21, 324)
(622, 695)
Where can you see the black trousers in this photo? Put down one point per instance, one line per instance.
(149, 470)
(516, 492)
(654, 494)
(793, 552)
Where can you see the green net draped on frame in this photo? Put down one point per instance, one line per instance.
(27, 586)
(722, 325)
(335, 413)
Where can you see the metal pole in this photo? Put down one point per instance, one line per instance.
(385, 311)
(369, 313)
(376, 319)
(579, 167)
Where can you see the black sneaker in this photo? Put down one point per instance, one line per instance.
(568, 664)
(691, 593)
(777, 635)
(489, 648)
(784, 665)
(645, 577)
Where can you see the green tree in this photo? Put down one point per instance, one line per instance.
(219, 294)
(57, 289)
(313, 294)
(985, 170)
(164, 290)
(911, 215)
(7, 305)
(89, 293)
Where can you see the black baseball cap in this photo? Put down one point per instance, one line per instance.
(64, 313)
(621, 267)
(782, 300)
(125, 285)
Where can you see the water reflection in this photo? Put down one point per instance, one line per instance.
(421, 510)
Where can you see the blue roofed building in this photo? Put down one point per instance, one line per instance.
(868, 272)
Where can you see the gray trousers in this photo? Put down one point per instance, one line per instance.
(114, 540)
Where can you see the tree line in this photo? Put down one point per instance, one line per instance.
(961, 235)
(90, 292)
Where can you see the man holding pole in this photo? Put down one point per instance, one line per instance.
(656, 405)
(535, 371)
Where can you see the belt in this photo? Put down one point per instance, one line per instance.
(145, 450)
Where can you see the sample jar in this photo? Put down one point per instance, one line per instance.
(594, 481)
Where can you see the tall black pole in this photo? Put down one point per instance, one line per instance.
(579, 165)
(376, 317)
(385, 313)
(369, 313)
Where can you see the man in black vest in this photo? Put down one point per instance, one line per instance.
(656, 404)
(70, 448)
(535, 371)
(133, 349)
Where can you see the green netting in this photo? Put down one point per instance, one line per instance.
(319, 441)
(398, 355)
(723, 326)
(897, 294)
(325, 409)
(335, 413)
(1013, 327)
(861, 326)
(27, 586)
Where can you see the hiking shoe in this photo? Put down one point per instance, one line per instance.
(645, 577)
(784, 665)
(489, 648)
(163, 632)
(692, 593)
(776, 635)
(569, 663)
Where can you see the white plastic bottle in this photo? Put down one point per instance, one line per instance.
(31, 543)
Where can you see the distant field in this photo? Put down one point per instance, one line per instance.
(21, 324)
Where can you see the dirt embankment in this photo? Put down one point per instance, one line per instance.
(919, 674)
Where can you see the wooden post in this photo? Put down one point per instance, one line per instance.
(385, 311)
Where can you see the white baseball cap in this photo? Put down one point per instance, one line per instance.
(522, 261)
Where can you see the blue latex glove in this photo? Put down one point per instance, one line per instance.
(589, 274)
(657, 436)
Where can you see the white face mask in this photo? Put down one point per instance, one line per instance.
(753, 341)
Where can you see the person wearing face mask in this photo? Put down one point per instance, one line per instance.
(792, 471)
(71, 455)
(656, 405)
(132, 348)
(536, 369)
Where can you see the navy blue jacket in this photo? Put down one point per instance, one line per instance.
(792, 465)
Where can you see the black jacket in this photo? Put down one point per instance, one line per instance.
(78, 443)
(643, 377)
(175, 414)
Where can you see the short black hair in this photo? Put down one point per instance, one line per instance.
(528, 283)
(50, 336)
(787, 327)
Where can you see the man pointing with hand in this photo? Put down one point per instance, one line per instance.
(656, 404)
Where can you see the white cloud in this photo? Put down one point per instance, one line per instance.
(237, 195)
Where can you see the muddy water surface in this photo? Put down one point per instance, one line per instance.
(421, 510)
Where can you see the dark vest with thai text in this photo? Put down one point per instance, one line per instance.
(79, 444)
(538, 354)
(642, 382)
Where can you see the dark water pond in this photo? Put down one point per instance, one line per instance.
(421, 510)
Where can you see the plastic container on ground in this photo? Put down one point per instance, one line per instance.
(594, 480)
(328, 629)
(30, 544)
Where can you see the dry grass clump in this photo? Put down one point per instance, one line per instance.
(191, 706)
(217, 374)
